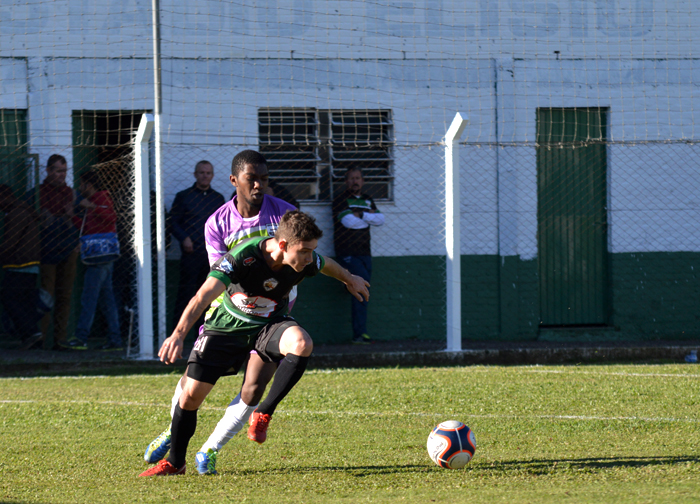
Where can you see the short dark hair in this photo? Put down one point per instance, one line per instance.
(296, 226)
(92, 178)
(53, 159)
(203, 161)
(350, 170)
(251, 157)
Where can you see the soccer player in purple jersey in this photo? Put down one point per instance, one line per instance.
(249, 214)
(256, 278)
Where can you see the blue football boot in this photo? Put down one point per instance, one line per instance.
(206, 461)
(158, 448)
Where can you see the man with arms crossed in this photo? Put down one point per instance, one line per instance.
(353, 214)
(256, 278)
(249, 213)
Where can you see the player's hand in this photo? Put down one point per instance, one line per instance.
(171, 350)
(187, 245)
(358, 287)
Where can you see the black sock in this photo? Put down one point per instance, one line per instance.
(288, 374)
(183, 427)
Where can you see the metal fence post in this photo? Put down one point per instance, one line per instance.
(142, 237)
(452, 233)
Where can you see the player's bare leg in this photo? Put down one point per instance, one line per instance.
(159, 447)
(296, 346)
(257, 375)
(183, 428)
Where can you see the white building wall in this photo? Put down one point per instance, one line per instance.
(495, 60)
(653, 185)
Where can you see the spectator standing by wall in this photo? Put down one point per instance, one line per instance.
(59, 246)
(20, 252)
(99, 217)
(353, 214)
(188, 215)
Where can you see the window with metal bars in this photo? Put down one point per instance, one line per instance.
(309, 150)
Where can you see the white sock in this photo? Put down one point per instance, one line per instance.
(237, 414)
(176, 398)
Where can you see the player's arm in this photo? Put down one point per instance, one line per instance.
(207, 293)
(357, 286)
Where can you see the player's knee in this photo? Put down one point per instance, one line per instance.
(194, 394)
(187, 402)
(307, 346)
(296, 341)
(303, 345)
(251, 393)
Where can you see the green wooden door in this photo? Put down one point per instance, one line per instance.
(85, 142)
(16, 165)
(572, 216)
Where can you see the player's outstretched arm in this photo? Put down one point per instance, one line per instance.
(171, 350)
(357, 286)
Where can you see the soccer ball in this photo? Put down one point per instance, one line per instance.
(451, 444)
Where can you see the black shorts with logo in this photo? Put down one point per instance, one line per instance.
(215, 354)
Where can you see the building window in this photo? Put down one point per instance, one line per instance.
(309, 150)
(20, 169)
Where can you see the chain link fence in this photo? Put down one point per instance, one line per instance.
(578, 168)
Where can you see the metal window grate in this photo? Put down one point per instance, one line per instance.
(309, 150)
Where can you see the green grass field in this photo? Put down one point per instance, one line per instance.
(618, 433)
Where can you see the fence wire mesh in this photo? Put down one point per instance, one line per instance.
(578, 168)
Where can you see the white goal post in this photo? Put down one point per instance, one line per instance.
(452, 233)
(142, 236)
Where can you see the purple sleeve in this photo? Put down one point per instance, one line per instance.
(214, 238)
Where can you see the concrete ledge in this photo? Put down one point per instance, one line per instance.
(366, 357)
(510, 356)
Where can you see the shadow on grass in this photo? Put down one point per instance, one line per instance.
(356, 471)
(534, 467)
(592, 464)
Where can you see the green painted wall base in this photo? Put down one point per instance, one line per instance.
(654, 297)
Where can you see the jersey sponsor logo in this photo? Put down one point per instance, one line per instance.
(271, 229)
(248, 261)
(225, 266)
(270, 284)
(253, 305)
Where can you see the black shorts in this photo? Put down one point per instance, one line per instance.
(215, 355)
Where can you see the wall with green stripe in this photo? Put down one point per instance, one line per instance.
(654, 296)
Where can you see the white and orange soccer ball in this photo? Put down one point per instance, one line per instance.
(451, 444)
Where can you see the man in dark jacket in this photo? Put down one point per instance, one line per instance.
(190, 211)
(60, 251)
(19, 255)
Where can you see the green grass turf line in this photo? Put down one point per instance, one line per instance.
(580, 434)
